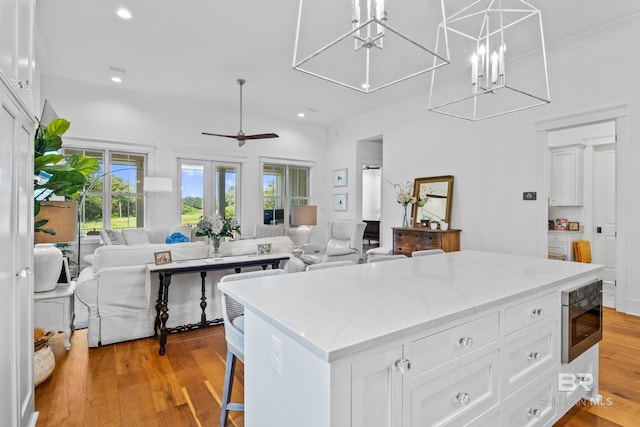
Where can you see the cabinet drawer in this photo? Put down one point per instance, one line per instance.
(432, 351)
(558, 238)
(455, 394)
(527, 354)
(532, 406)
(531, 311)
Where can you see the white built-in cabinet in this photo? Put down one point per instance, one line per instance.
(498, 367)
(17, 125)
(560, 244)
(17, 47)
(567, 176)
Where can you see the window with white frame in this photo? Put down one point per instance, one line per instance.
(207, 188)
(114, 196)
(284, 185)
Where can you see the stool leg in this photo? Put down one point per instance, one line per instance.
(228, 386)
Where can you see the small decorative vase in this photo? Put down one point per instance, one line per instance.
(214, 247)
(405, 217)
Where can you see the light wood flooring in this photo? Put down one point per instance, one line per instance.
(129, 384)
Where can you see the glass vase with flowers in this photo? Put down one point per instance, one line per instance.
(215, 228)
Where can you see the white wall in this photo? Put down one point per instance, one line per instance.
(174, 128)
(496, 160)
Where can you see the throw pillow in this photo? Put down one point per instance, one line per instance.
(176, 238)
(115, 237)
(135, 236)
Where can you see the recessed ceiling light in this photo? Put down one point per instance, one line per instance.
(300, 115)
(124, 13)
(116, 79)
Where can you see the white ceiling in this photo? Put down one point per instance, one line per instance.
(195, 50)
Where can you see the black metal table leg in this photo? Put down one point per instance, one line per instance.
(203, 300)
(164, 316)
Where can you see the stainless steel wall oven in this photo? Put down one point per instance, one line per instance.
(581, 319)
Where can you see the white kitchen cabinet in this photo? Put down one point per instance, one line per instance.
(476, 343)
(567, 177)
(16, 258)
(16, 45)
(376, 391)
(561, 243)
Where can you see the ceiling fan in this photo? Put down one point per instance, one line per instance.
(240, 136)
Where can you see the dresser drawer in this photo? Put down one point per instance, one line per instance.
(531, 311)
(532, 406)
(434, 350)
(558, 238)
(528, 354)
(456, 394)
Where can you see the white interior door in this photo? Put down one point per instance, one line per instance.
(604, 182)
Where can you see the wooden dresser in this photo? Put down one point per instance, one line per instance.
(406, 240)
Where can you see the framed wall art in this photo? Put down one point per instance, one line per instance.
(340, 178)
(574, 226)
(339, 202)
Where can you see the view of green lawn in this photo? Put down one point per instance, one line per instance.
(191, 218)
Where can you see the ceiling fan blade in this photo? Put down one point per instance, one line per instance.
(258, 136)
(217, 134)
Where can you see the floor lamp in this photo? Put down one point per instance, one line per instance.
(304, 216)
(150, 184)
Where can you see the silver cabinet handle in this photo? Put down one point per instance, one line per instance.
(24, 272)
(534, 355)
(462, 398)
(465, 342)
(534, 413)
(402, 365)
(536, 312)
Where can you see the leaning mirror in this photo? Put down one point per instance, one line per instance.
(437, 191)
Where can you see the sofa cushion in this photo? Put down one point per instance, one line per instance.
(121, 255)
(176, 238)
(135, 236)
(160, 235)
(112, 237)
(279, 245)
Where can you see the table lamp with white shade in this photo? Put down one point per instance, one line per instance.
(304, 216)
(47, 258)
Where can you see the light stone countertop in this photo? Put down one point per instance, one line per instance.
(340, 311)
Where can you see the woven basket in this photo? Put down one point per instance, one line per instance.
(43, 361)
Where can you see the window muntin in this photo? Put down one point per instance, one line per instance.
(115, 188)
(283, 187)
(208, 187)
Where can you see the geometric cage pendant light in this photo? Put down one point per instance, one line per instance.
(498, 61)
(367, 45)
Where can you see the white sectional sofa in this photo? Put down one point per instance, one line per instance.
(121, 297)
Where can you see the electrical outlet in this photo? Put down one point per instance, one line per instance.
(276, 354)
(529, 195)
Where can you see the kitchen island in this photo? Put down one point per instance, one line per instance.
(464, 338)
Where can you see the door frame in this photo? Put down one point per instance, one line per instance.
(620, 115)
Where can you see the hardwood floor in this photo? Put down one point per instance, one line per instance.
(129, 384)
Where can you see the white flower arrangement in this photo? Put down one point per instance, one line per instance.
(405, 194)
(216, 226)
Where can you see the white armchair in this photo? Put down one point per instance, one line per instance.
(345, 244)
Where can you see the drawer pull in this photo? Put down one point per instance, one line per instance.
(536, 312)
(465, 342)
(462, 398)
(534, 356)
(534, 413)
(402, 365)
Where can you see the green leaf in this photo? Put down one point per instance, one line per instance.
(41, 162)
(87, 165)
(57, 127)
